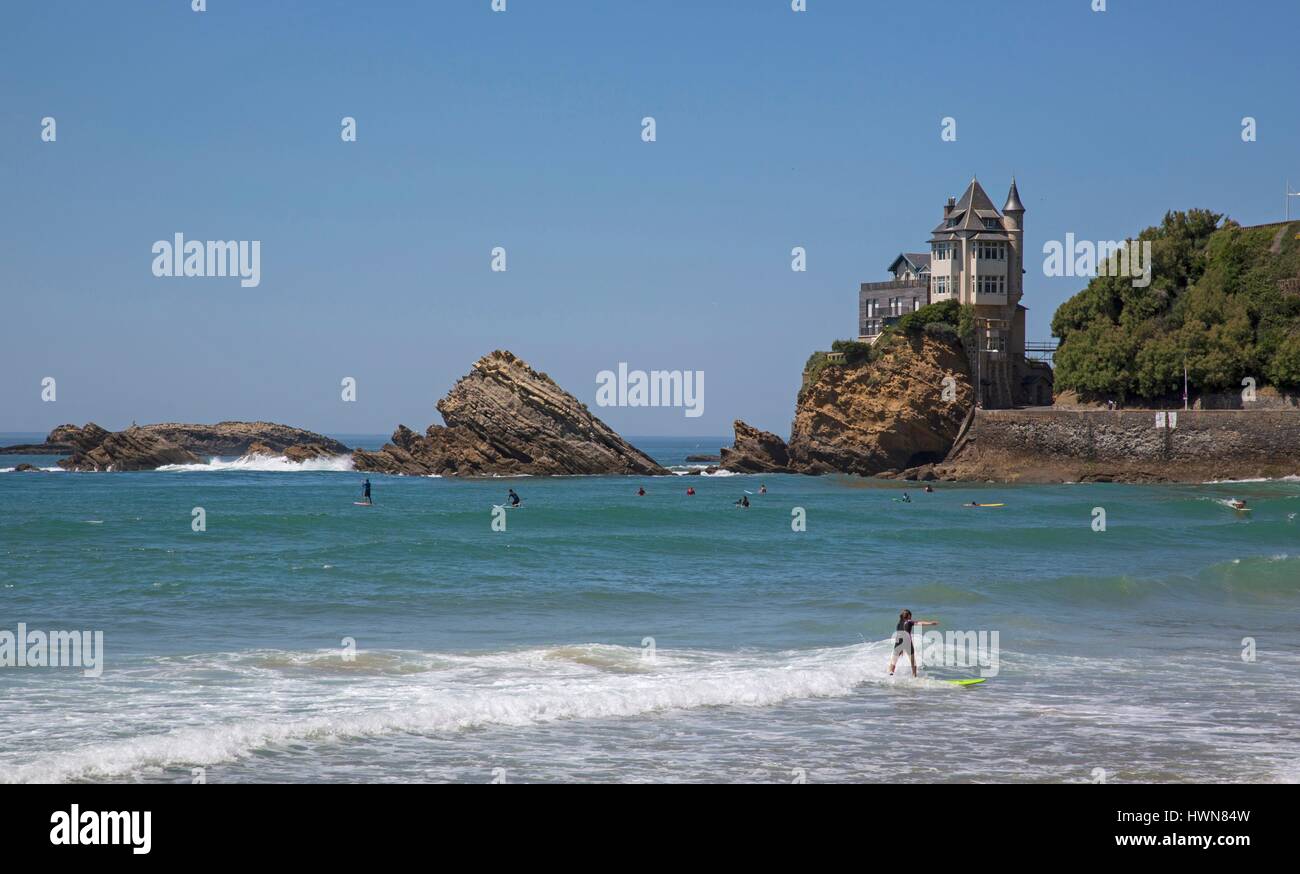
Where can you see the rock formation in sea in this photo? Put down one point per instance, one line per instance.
(904, 408)
(145, 447)
(755, 451)
(45, 448)
(308, 452)
(132, 449)
(237, 438)
(505, 418)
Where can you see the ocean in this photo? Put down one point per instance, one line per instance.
(606, 636)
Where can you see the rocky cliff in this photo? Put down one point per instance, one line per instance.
(883, 415)
(886, 415)
(504, 418)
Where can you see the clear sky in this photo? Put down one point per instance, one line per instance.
(522, 129)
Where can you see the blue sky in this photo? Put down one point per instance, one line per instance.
(522, 129)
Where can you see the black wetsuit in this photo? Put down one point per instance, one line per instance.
(514, 499)
(905, 625)
(366, 487)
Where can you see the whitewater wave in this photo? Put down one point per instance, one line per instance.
(1289, 478)
(442, 693)
(702, 471)
(266, 463)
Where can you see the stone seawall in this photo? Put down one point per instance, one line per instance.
(1051, 445)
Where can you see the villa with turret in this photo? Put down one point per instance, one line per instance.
(976, 258)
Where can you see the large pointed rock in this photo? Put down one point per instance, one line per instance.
(755, 451)
(505, 418)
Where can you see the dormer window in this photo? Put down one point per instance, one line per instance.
(991, 224)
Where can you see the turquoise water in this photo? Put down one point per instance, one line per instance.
(526, 655)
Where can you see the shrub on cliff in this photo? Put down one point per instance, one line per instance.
(1215, 303)
(855, 351)
(942, 331)
(948, 312)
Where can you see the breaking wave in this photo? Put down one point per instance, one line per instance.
(429, 693)
(266, 463)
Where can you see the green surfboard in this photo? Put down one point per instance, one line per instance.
(970, 682)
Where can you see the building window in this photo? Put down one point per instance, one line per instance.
(991, 251)
(942, 251)
(941, 284)
(991, 285)
(991, 224)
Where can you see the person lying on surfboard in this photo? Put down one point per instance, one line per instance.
(905, 625)
(365, 491)
(514, 499)
(1238, 504)
(743, 502)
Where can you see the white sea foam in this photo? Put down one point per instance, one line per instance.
(452, 692)
(1288, 773)
(266, 463)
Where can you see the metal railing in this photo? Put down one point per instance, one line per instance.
(1041, 350)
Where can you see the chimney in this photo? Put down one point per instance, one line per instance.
(947, 207)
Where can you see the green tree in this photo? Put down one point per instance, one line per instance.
(1216, 304)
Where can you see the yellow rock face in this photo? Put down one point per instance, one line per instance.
(902, 410)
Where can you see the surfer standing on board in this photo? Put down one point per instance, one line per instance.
(905, 625)
(365, 491)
